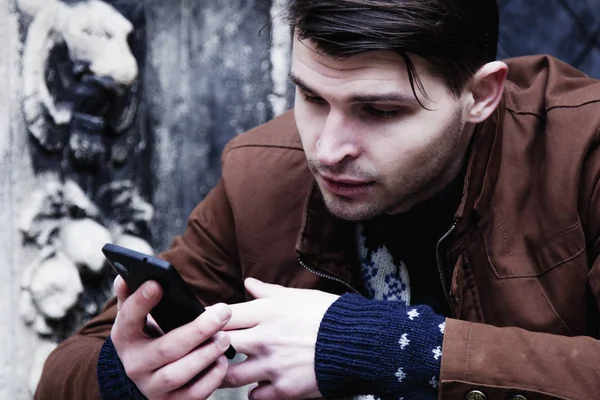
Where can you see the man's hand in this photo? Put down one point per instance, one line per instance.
(278, 333)
(186, 363)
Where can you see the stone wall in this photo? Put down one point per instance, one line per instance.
(114, 114)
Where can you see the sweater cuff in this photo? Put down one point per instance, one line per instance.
(113, 382)
(380, 348)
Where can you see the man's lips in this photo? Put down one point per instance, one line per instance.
(346, 187)
(342, 180)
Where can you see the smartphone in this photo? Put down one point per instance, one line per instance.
(178, 305)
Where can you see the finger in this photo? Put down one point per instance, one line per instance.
(120, 287)
(179, 342)
(264, 391)
(244, 373)
(260, 290)
(131, 318)
(203, 387)
(247, 341)
(246, 315)
(152, 329)
(179, 373)
(121, 291)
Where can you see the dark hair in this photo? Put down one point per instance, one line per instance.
(455, 37)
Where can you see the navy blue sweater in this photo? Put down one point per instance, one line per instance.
(393, 352)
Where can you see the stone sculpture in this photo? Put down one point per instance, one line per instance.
(81, 96)
(76, 62)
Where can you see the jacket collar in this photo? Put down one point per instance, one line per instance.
(325, 242)
(482, 169)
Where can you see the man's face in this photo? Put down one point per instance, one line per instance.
(370, 145)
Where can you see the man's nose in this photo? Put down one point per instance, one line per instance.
(337, 142)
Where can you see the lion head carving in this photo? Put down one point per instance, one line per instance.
(95, 36)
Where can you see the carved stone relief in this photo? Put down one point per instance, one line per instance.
(81, 73)
(68, 231)
(77, 64)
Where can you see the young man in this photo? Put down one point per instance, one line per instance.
(431, 224)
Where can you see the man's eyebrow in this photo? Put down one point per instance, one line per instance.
(392, 97)
(298, 82)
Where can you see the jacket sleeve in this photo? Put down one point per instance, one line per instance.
(506, 362)
(206, 257)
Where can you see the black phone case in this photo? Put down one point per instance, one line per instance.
(178, 305)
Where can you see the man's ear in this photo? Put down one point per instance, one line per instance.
(486, 89)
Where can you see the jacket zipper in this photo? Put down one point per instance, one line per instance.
(441, 265)
(327, 276)
(438, 259)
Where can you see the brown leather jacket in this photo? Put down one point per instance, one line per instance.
(525, 247)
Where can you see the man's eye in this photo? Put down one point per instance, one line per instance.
(313, 99)
(379, 113)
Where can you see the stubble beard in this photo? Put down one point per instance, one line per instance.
(400, 195)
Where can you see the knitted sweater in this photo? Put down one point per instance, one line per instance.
(113, 382)
(380, 345)
(394, 352)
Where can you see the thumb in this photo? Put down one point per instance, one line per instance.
(259, 289)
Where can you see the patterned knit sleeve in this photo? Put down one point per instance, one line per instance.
(380, 348)
(113, 382)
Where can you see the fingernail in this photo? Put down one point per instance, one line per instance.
(251, 389)
(222, 312)
(149, 290)
(222, 340)
(252, 281)
(222, 360)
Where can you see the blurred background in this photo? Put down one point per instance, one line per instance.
(114, 114)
